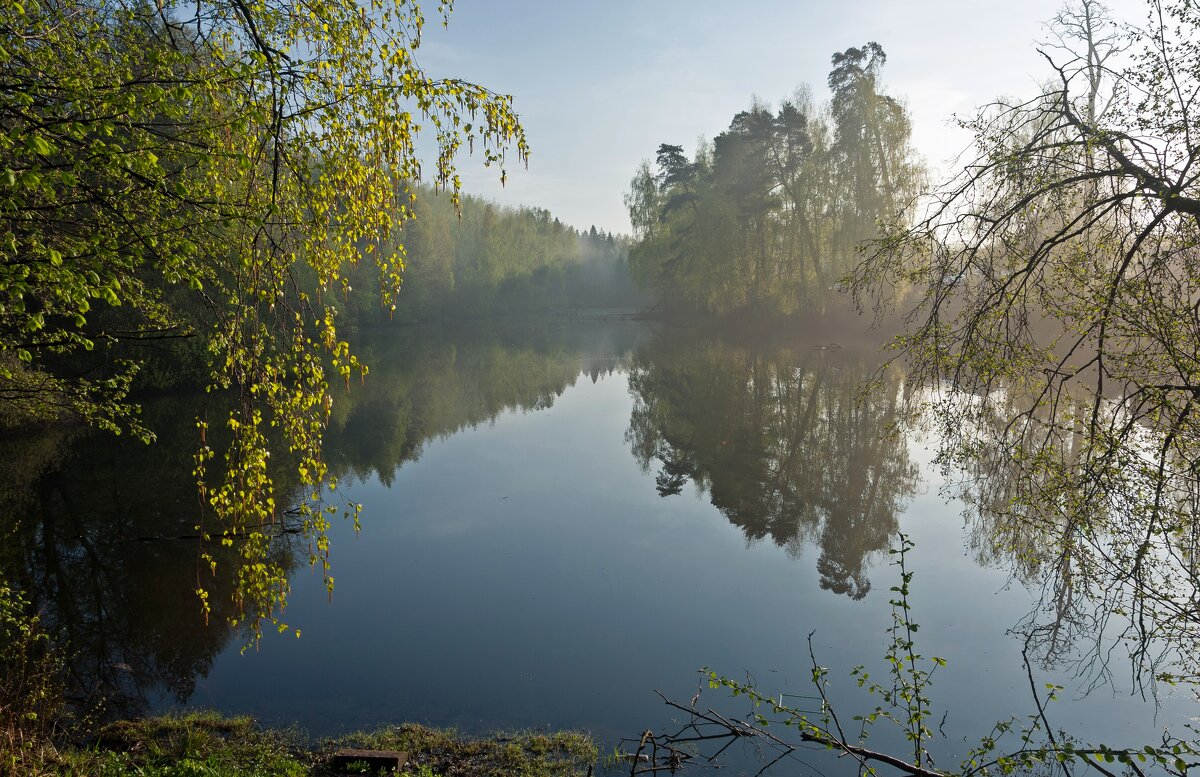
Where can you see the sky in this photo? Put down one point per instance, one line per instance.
(599, 85)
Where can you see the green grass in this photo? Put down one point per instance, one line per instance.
(208, 745)
(444, 753)
(196, 745)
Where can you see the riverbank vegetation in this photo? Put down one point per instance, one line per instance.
(199, 743)
(45, 731)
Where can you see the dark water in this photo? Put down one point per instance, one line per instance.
(559, 519)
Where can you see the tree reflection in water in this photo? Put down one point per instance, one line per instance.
(1093, 507)
(781, 439)
(1081, 501)
(101, 532)
(785, 442)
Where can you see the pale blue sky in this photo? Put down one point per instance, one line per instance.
(599, 85)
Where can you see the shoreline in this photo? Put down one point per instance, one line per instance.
(210, 744)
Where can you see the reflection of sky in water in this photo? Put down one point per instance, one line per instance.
(527, 574)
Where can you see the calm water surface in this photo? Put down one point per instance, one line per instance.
(559, 520)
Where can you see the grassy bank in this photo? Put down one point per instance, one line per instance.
(208, 745)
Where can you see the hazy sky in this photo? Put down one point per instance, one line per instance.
(599, 85)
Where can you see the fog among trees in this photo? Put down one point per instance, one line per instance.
(767, 218)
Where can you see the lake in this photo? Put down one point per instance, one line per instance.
(560, 518)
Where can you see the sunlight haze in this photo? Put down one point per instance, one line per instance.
(600, 85)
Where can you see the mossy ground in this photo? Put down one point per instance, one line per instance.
(209, 745)
(445, 753)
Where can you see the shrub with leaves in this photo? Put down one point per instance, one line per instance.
(30, 689)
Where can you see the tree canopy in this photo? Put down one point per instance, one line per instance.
(212, 170)
(767, 218)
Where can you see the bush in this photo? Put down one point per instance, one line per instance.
(31, 691)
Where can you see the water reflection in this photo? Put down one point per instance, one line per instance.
(429, 386)
(1106, 532)
(785, 443)
(100, 531)
(779, 438)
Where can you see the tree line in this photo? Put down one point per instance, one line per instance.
(770, 215)
(464, 262)
(474, 259)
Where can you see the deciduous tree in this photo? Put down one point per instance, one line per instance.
(211, 169)
(1058, 306)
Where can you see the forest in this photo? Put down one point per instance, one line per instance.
(476, 259)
